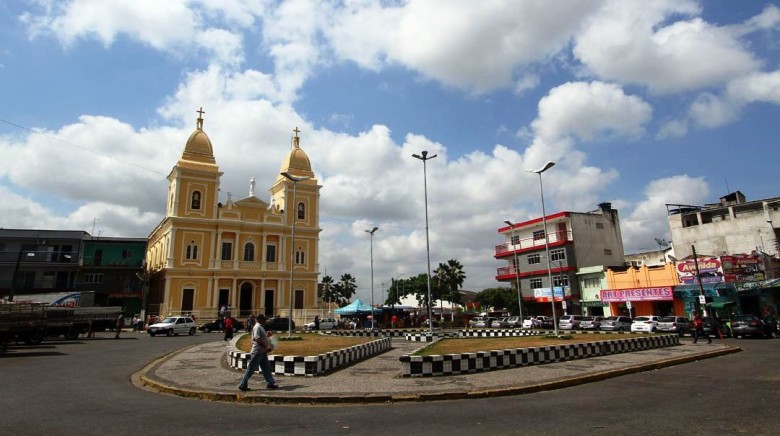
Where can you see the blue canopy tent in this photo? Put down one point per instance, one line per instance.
(357, 307)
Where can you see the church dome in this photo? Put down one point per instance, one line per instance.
(297, 162)
(198, 148)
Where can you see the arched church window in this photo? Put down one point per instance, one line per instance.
(249, 252)
(301, 211)
(192, 251)
(196, 200)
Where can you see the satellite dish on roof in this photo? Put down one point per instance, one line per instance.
(661, 242)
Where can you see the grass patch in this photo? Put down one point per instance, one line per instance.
(473, 345)
(308, 345)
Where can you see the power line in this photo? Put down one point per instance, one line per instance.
(81, 147)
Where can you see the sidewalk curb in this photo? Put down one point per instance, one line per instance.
(143, 380)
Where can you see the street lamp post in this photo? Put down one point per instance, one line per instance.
(371, 233)
(423, 156)
(517, 276)
(16, 272)
(295, 180)
(546, 167)
(395, 295)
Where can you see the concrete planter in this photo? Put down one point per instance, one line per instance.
(452, 364)
(314, 365)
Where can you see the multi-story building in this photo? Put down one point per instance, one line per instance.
(592, 279)
(38, 261)
(575, 239)
(732, 226)
(113, 268)
(205, 254)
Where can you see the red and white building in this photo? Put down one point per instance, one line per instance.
(576, 240)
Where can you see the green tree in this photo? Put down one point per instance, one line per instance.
(395, 292)
(327, 290)
(498, 298)
(347, 288)
(449, 277)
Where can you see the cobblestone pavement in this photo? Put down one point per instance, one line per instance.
(201, 371)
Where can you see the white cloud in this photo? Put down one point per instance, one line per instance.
(672, 129)
(631, 42)
(648, 219)
(175, 27)
(710, 110)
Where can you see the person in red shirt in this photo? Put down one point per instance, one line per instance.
(228, 328)
(698, 328)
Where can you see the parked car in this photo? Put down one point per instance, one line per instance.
(278, 324)
(543, 322)
(500, 323)
(514, 321)
(325, 324)
(674, 324)
(751, 325)
(483, 322)
(710, 324)
(528, 322)
(569, 322)
(173, 325)
(615, 323)
(647, 323)
(218, 325)
(591, 322)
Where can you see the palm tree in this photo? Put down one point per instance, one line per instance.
(348, 287)
(326, 290)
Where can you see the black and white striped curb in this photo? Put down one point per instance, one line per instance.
(451, 364)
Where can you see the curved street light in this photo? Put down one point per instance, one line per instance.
(423, 156)
(546, 167)
(295, 180)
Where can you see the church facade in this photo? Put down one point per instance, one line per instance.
(248, 255)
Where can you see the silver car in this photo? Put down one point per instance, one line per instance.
(591, 322)
(674, 324)
(616, 323)
(570, 322)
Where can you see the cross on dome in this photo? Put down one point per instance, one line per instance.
(200, 117)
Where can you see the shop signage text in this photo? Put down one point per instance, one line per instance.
(641, 294)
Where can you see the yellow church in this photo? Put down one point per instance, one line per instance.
(248, 256)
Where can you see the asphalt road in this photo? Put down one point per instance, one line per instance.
(84, 387)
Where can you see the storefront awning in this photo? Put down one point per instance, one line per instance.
(721, 304)
(710, 289)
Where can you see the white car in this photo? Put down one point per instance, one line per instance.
(325, 324)
(173, 325)
(647, 323)
(528, 322)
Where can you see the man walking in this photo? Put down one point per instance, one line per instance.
(698, 328)
(261, 346)
(120, 323)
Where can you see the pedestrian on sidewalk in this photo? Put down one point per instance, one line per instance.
(261, 346)
(120, 323)
(698, 328)
(228, 328)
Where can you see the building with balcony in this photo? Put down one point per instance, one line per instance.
(206, 254)
(576, 240)
(112, 268)
(38, 261)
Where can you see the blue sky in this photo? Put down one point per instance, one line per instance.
(639, 103)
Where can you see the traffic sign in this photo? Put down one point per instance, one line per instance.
(702, 299)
